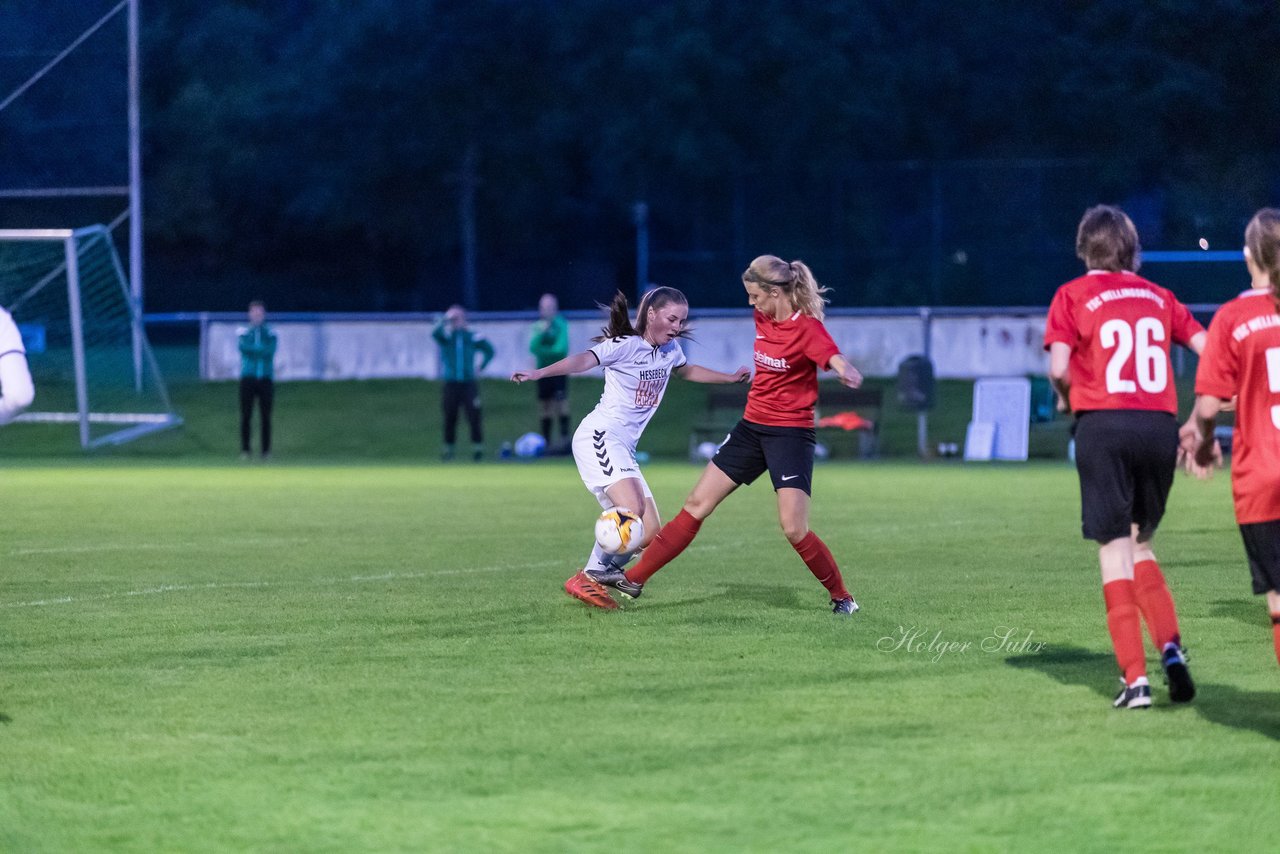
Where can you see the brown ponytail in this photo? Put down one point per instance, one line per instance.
(620, 326)
(1262, 238)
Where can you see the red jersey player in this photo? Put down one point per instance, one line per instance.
(1108, 334)
(1242, 360)
(776, 433)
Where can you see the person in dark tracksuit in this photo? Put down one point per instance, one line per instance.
(459, 347)
(257, 355)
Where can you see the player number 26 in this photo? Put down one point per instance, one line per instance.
(1140, 341)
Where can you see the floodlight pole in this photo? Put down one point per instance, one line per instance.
(922, 416)
(467, 182)
(135, 195)
(640, 217)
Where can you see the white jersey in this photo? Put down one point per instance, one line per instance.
(635, 379)
(10, 338)
(16, 390)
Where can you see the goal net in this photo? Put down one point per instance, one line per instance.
(89, 357)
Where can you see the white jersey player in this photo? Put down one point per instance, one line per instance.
(16, 388)
(638, 361)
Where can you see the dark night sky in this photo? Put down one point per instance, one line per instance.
(314, 152)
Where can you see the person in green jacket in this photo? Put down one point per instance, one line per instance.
(257, 357)
(549, 343)
(459, 347)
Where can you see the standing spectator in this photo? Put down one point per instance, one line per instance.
(257, 366)
(775, 435)
(1108, 335)
(459, 347)
(549, 343)
(1242, 360)
(16, 388)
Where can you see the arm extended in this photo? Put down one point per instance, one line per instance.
(575, 364)
(699, 374)
(845, 371)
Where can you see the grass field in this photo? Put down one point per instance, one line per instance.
(339, 657)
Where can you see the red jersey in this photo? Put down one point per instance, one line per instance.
(1119, 327)
(788, 355)
(1242, 357)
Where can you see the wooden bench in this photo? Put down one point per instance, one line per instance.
(726, 403)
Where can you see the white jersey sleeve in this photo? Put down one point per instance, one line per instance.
(16, 389)
(10, 338)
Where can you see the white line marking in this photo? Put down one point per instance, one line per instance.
(314, 582)
(130, 547)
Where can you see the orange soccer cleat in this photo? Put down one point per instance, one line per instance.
(582, 588)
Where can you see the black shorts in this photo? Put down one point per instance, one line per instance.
(1126, 459)
(786, 452)
(1262, 545)
(553, 388)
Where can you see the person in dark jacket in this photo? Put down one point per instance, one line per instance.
(257, 357)
(459, 347)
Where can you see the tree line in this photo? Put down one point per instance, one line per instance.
(315, 152)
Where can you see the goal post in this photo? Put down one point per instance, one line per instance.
(88, 351)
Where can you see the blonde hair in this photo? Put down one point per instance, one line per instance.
(794, 278)
(1262, 238)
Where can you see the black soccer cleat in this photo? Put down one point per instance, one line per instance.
(844, 606)
(617, 579)
(1135, 696)
(1174, 662)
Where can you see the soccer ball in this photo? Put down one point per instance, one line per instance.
(619, 531)
(530, 445)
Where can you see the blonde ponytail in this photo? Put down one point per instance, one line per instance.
(794, 278)
(806, 293)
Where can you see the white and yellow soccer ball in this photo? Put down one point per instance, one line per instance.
(619, 531)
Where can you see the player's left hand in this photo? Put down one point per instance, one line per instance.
(523, 376)
(851, 377)
(1189, 439)
(1209, 456)
(742, 375)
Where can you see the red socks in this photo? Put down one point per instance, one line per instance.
(1125, 628)
(818, 558)
(671, 540)
(676, 535)
(1156, 603)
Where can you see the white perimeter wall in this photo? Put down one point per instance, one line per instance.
(962, 347)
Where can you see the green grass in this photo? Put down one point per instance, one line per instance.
(340, 657)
